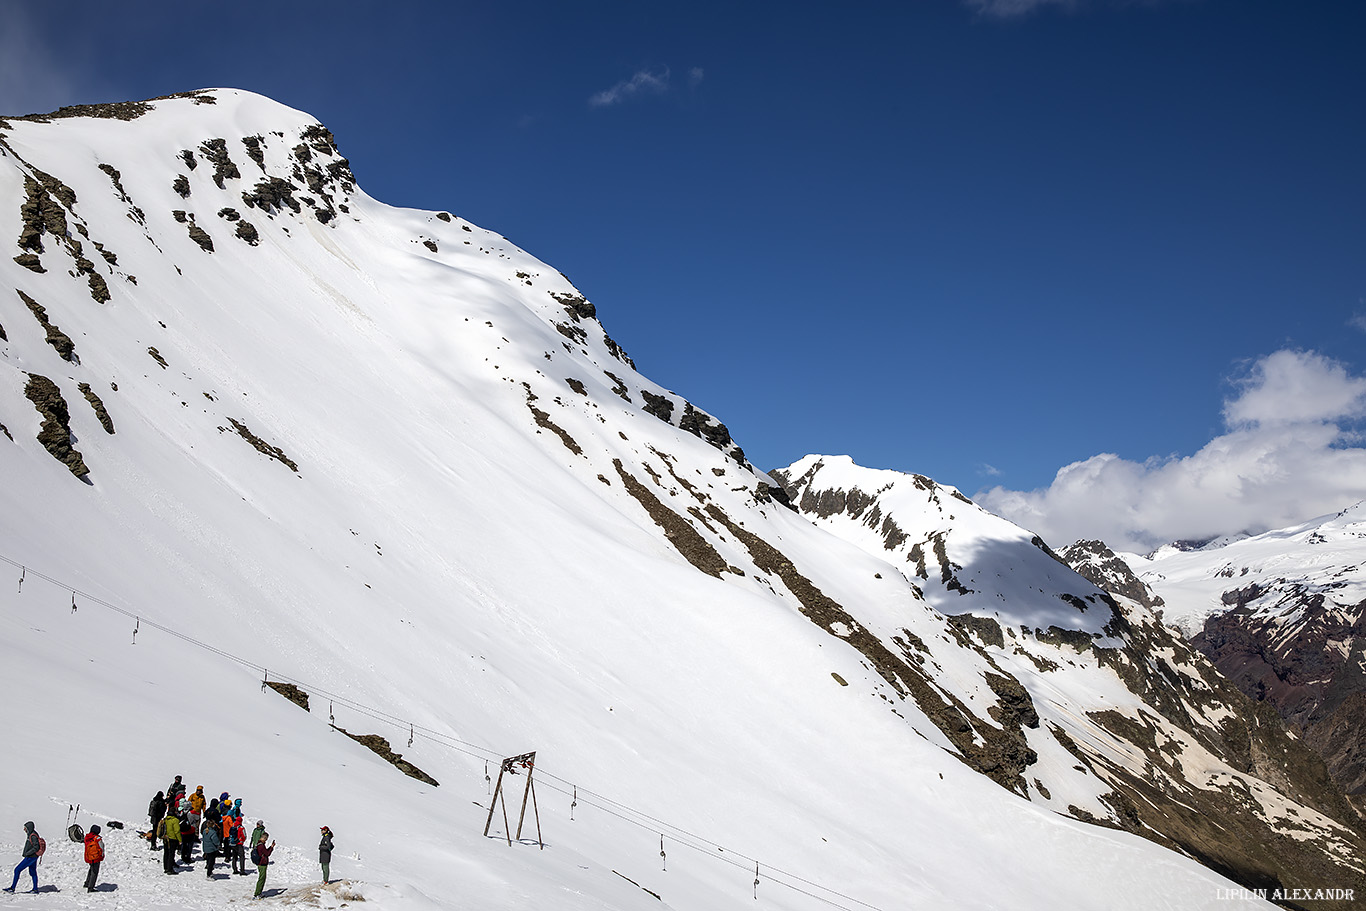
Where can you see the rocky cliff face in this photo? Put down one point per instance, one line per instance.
(1181, 756)
(1282, 615)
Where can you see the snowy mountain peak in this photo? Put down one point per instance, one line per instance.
(1283, 615)
(265, 437)
(949, 547)
(992, 580)
(1102, 566)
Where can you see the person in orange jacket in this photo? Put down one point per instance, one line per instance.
(94, 853)
(197, 804)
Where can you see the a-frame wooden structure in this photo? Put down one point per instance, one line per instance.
(510, 765)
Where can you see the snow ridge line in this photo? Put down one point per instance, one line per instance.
(680, 835)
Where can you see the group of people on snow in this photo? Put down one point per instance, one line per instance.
(181, 821)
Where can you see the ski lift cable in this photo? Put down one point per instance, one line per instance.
(134, 616)
(775, 875)
(461, 746)
(379, 714)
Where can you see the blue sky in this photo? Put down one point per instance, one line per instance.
(976, 239)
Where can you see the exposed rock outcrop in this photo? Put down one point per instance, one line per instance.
(59, 340)
(55, 433)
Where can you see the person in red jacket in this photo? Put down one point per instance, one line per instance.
(237, 846)
(94, 853)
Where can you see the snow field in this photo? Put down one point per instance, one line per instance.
(440, 559)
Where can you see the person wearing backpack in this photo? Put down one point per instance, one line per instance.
(188, 838)
(94, 853)
(214, 814)
(325, 853)
(34, 846)
(237, 841)
(156, 812)
(175, 792)
(169, 830)
(210, 845)
(260, 855)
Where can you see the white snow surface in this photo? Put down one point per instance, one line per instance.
(1324, 556)
(438, 560)
(1001, 571)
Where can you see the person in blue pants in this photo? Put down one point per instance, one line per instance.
(30, 861)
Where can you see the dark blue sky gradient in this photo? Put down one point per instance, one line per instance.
(930, 239)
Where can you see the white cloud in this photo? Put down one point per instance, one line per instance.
(1016, 9)
(695, 76)
(1010, 9)
(989, 470)
(1358, 321)
(1296, 387)
(1286, 456)
(643, 82)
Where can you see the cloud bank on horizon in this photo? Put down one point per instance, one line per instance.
(1290, 452)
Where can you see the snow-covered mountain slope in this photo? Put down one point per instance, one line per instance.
(261, 428)
(1283, 615)
(1165, 744)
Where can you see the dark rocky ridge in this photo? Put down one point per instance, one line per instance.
(261, 446)
(542, 419)
(1002, 754)
(290, 692)
(215, 152)
(45, 209)
(1309, 668)
(1286, 648)
(116, 110)
(97, 404)
(1096, 562)
(380, 747)
(55, 433)
(59, 340)
(1181, 692)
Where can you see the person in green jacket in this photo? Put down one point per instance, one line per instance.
(169, 830)
(260, 854)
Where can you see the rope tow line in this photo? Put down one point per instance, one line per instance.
(598, 801)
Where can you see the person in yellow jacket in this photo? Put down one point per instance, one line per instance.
(169, 830)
